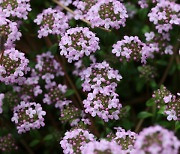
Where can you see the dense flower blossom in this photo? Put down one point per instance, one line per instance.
(55, 94)
(164, 15)
(103, 146)
(125, 139)
(51, 21)
(47, 67)
(170, 102)
(27, 116)
(102, 105)
(156, 140)
(172, 107)
(13, 66)
(9, 32)
(15, 8)
(30, 89)
(158, 43)
(107, 13)
(80, 66)
(145, 3)
(65, 2)
(70, 113)
(147, 72)
(78, 42)
(73, 115)
(160, 96)
(7, 144)
(100, 77)
(83, 6)
(131, 48)
(75, 140)
(11, 99)
(1, 102)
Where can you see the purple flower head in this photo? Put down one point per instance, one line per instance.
(131, 48)
(125, 139)
(15, 8)
(9, 32)
(30, 89)
(75, 140)
(27, 116)
(78, 42)
(13, 67)
(107, 107)
(7, 144)
(83, 6)
(107, 13)
(103, 146)
(51, 21)
(100, 77)
(47, 67)
(55, 94)
(164, 15)
(156, 140)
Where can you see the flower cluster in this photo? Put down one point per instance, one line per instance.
(169, 102)
(131, 48)
(125, 139)
(15, 8)
(102, 146)
(147, 72)
(103, 105)
(55, 94)
(65, 2)
(78, 42)
(164, 15)
(100, 77)
(47, 67)
(83, 7)
(30, 89)
(70, 113)
(75, 140)
(100, 81)
(51, 21)
(9, 32)
(13, 67)
(11, 99)
(7, 143)
(28, 116)
(80, 66)
(1, 102)
(159, 43)
(160, 94)
(107, 13)
(156, 140)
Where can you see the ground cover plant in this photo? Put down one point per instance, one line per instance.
(89, 76)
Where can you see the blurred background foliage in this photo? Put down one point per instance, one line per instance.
(135, 92)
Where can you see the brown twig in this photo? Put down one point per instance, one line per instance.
(73, 13)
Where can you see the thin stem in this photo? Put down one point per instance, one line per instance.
(73, 13)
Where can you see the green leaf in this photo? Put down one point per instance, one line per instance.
(150, 102)
(54, 48)
(161, 110)
(177, 126)
(144, 114)
(34, 143)
(78, 83)
(48, 137)
(69, 92)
